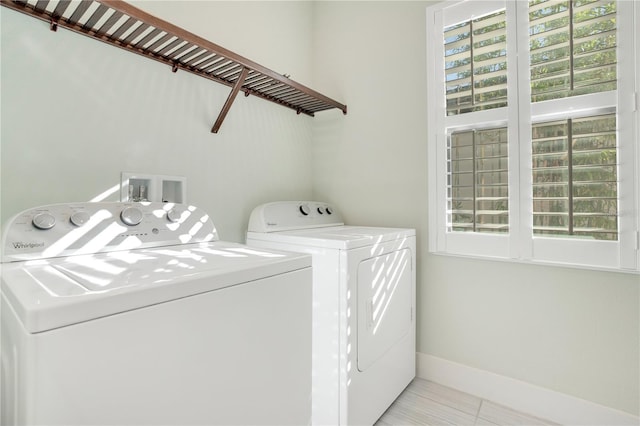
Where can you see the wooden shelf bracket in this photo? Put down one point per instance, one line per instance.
(230, 99)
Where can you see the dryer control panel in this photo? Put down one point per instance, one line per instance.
(86, 228)
(290, 215)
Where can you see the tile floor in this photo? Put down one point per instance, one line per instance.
(427, 403)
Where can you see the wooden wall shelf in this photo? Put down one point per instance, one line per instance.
(122, 25)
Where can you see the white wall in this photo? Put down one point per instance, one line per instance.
(76, 113)
(275, 34)
(572, 331)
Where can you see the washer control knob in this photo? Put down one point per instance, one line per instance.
(304, 209)
(79, 218)
(44, 221)
(329, 210)
(320, 211)
(174, 215)
(131, 216)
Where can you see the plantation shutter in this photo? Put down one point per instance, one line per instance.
(531, 156)
(575, 178)
(572, 47)
(575, 183)
(478, 181)
(476, 64)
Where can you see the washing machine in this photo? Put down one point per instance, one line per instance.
(364, 278)
(137, 314)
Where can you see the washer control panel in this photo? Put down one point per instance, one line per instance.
(291, 215)
(85, 228)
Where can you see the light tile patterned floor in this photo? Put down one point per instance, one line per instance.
(426, 403)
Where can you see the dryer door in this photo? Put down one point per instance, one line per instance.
(384, 304)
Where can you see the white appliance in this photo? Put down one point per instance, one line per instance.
(363, 306)
(134, 314)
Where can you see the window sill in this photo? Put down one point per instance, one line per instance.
(536, 262)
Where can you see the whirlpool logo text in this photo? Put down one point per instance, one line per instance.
(19, 245)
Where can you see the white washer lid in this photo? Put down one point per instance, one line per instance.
(52, 293)
(336, 237)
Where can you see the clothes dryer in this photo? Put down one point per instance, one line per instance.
(135, 313)
(363, 306)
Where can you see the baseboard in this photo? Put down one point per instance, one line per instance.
(537, 401)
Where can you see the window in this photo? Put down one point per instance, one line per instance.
(535, 156)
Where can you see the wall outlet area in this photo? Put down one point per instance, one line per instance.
(159, 188)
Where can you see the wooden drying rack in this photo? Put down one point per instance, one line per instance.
(122, 25)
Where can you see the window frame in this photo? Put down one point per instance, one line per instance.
(520, 244)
